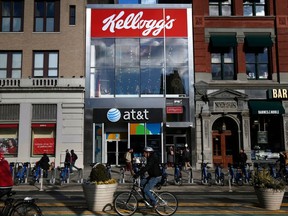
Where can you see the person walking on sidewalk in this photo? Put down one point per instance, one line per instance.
(6, 181)
(74, 157)
(128, 159)
(67, 161)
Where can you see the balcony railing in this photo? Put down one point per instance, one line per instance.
(43, 82)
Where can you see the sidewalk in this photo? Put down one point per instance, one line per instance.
(192, 186)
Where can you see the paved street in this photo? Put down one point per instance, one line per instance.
(194, 199)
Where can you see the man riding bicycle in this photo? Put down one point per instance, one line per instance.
(154, 174)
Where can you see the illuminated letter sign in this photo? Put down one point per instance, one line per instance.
(139, 23)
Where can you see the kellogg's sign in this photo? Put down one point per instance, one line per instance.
(138, 23)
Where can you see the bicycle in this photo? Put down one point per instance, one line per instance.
(236, 175)
(127, 203)
(178, 174)
(206, 176)
(219, 175)
(21, 173)
(64, 173)
(19, 207)
(247, 173)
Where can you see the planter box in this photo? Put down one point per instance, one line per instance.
(98, 196)
(269, 199)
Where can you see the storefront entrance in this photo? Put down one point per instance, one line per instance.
(222, 148)
(115, 151)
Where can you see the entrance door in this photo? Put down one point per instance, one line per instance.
(115, 151)
(222, 148)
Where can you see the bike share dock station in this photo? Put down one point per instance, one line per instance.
(27, 173)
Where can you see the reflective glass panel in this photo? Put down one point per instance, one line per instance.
(128, 81)
(3, 60)
(151, 80)
(127, 52)
(49, 24)
(104, 82)
(102, 53)
(6, 24)
(176, 52)
(177, 80)
(16, 24)
(16, 60)
(152, 52)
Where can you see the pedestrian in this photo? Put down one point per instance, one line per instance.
(282, 161)
(67, 160)
(187, 157)
(242, 158)
(6, 180)
(74, 157)
(44, 164)
(170, 158)
(128, 160)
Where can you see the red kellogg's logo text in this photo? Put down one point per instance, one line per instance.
(134, 21)
(139, 23)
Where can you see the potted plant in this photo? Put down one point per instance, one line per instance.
(269, 191)
(100, 188)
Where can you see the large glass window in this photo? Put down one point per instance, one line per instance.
(46, 15)
(222, 65)
(10, 64)
(11, 15)
(257, 64)
(220, 8)
(254, 7)
(177, 80)
(137, 67)
(45, 64)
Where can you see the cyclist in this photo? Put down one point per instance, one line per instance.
(154, 174)
(6, 181)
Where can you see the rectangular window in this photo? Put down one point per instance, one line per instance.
(43, 138)
(220, 8)
(72, 15)
(10, 64)
(254, 8)
(46, 15)
(9, 139)
(222, 64)
(45, 64)
(257, 64)
(11, 15)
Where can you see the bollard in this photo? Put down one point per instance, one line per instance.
(41, 180)
(80, 176)
(122, 175)
(190, 176)
(229, 182)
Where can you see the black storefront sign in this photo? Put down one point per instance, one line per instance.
(115, 115)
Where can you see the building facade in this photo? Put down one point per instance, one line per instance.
(240, 78)
(139, 80)
(42, 52)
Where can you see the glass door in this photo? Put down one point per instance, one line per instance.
(115, 151)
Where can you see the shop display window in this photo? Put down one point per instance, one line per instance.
(9, 139)
(43, 139)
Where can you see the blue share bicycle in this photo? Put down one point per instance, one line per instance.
(127, 203)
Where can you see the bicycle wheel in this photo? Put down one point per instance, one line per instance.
(125, 204)
(167, 204)
(26, 209)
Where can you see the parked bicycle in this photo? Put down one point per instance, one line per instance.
(206, 177)
(178, 174)
(22, 173)
(18, 207)
(247, 173)
(219, 175)
(127, 203)
(164, 179)
(36, 173)
(235, 174)
(64, 173)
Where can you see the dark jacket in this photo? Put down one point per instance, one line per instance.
(44, 162)
(152, 167)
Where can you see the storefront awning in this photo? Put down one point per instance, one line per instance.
(258, 41)
(266, 107)
(223, 40)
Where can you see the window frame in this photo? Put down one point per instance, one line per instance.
(46, 61)
(220, 4)
(9, 63)
(222, 51)
(254, 6)
(56, 23)
(11, 16)
(72, 15)
(257, 63)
